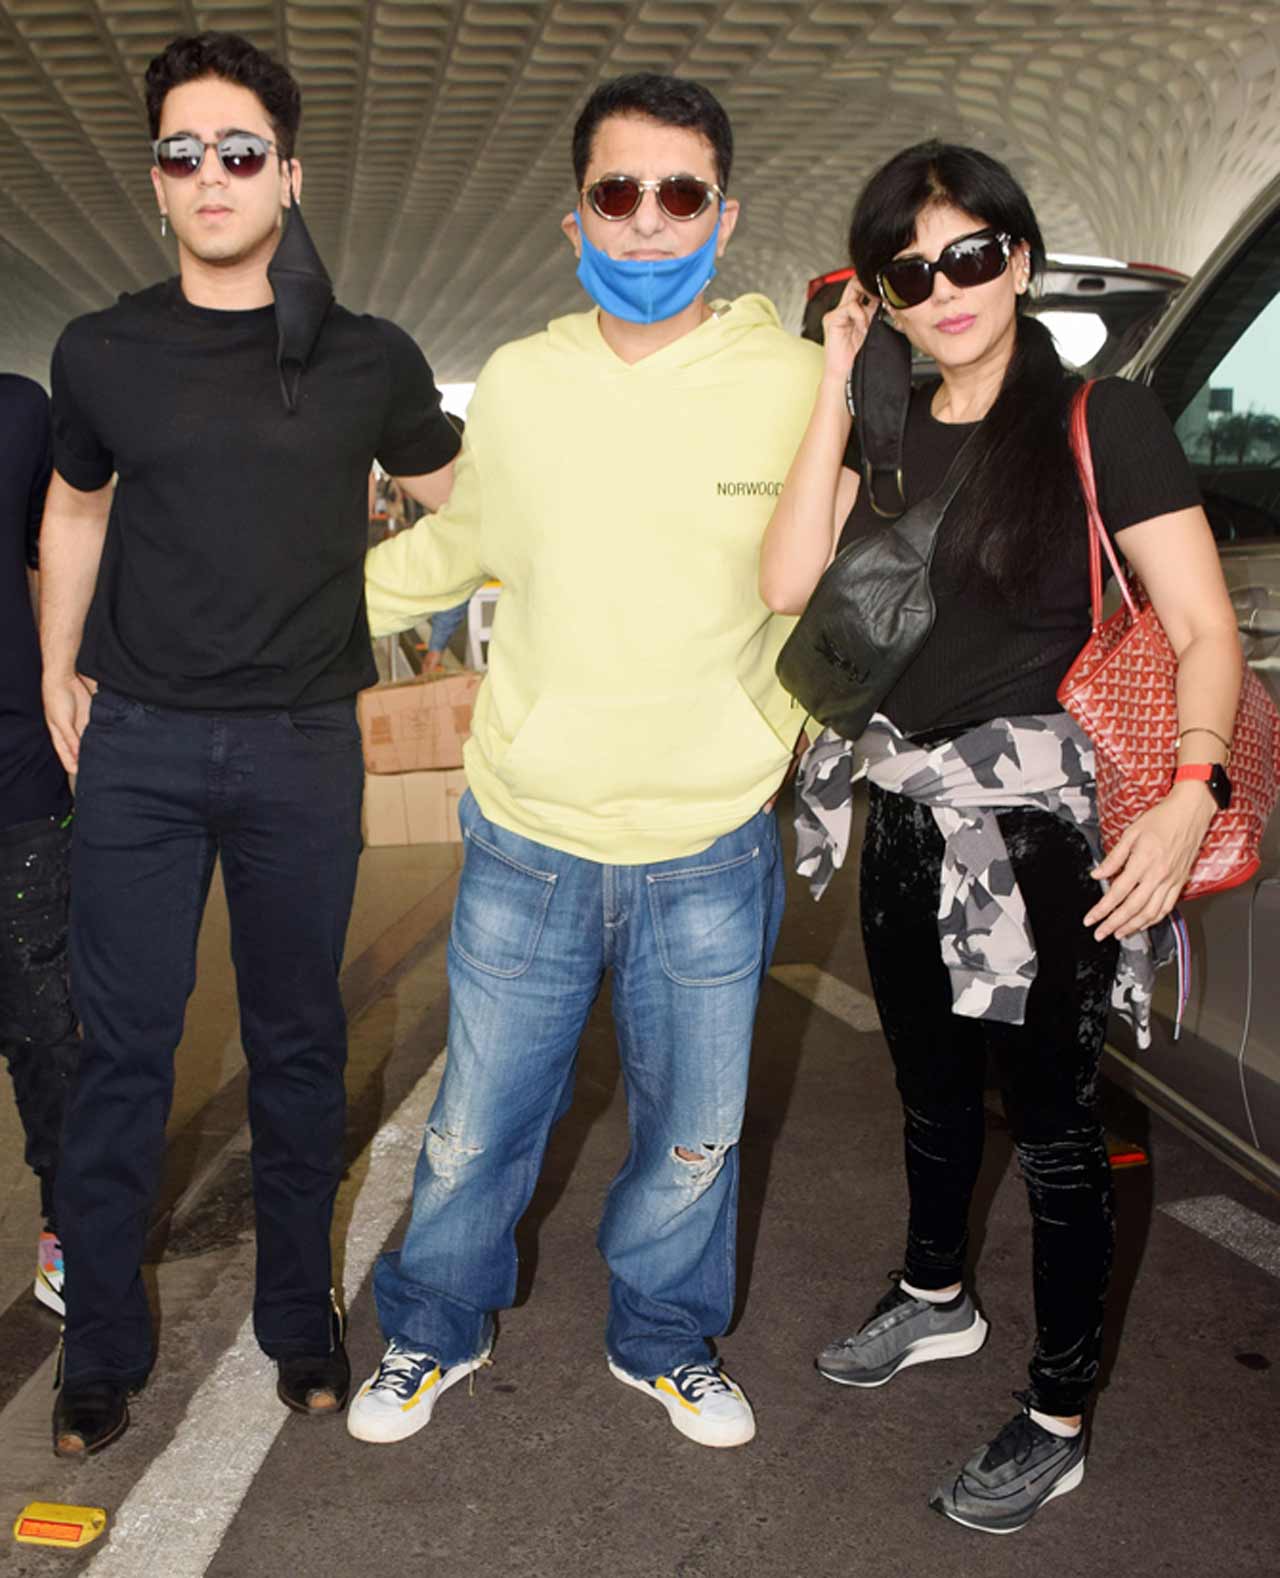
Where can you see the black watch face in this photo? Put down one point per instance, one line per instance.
(1220, 786)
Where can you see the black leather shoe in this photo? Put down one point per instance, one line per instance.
(317, 1383)
(89, 1416)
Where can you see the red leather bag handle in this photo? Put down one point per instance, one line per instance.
(1099, 537)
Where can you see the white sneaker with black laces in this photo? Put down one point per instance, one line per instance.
(398, 1398)
(701, 1402)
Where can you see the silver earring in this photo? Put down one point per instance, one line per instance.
(164, 226)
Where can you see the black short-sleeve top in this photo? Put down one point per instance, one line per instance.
(987, 657)
(232, 572)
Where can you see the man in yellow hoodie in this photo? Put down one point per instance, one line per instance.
(617, 476)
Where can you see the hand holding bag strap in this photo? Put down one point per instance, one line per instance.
(1099, 537)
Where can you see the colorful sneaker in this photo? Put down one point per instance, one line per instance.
(397, 1399)
(902, 1331)
(701, 1402)
(1002, 1487)
(50, 1274)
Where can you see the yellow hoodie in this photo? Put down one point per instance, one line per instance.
(630, 713)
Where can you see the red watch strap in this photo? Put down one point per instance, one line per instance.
(1201, 770)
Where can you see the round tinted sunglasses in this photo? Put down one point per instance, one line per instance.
(239, 153)
(679, 196)
(975, 259)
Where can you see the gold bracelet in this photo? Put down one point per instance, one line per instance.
(1201, 729)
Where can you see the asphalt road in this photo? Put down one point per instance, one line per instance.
(550, 1467)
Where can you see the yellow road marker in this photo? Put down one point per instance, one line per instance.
(52, 1523)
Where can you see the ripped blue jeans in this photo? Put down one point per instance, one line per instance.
(534, 931)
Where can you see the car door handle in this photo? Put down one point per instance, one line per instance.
(1264, 622)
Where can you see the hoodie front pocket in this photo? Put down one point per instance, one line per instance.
(614, 757)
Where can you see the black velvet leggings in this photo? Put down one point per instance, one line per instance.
(1047, 1068)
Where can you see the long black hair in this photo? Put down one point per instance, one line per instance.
(1023, 484)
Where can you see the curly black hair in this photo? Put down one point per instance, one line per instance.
(233, 59)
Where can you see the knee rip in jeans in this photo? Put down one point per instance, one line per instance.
(449, 1153)
(702, 1167)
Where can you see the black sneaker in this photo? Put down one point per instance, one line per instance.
(901, 1331)
(1002, 1487)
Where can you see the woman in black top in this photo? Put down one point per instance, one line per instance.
(948, 240)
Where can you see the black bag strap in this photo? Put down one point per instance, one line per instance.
(919, 525)
(878, 394)
(921, 522)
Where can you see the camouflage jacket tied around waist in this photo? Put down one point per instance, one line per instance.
(1044, 761)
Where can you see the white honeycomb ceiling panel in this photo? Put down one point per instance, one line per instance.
(435, 136)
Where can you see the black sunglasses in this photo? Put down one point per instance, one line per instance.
(679, 196)
(975, 259)
(239, 153)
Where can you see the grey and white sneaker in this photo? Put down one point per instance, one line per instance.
(398, 1398)
(701, 1402)
(902, 1331)
(1002, 1487)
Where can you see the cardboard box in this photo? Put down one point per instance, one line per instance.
(418, 724)
(413, 808)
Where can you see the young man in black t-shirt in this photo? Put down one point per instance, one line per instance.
(37, 1026)
(216, 599)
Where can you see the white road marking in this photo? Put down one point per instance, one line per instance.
(1253, 1237)
(829, 993)
(235, 1416)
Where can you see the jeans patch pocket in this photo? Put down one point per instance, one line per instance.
(500, 910)
(709, 921)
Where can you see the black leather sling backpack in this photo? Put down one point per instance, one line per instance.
(873, 608)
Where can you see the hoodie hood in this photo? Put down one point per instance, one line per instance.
(730, 322)
(303, 295)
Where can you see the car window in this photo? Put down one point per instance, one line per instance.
(1220, 382)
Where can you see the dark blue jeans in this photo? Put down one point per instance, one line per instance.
(161, 793)
(37, 1026)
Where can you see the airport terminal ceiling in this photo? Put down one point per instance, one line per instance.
(435, 138)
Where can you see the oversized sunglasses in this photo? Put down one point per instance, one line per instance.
(679, 196)
(239, 153)
(975, 259)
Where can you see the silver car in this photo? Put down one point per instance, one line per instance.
(1214, 363)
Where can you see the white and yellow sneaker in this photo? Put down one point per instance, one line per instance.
(701, 1402)
(397, 1399)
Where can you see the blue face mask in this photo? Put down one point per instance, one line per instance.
(645, 290)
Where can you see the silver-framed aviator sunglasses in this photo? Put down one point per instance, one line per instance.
(679, 196)
(239, 153)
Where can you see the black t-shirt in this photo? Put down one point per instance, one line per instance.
(232, 572)
(986, 657)
(32, 782)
